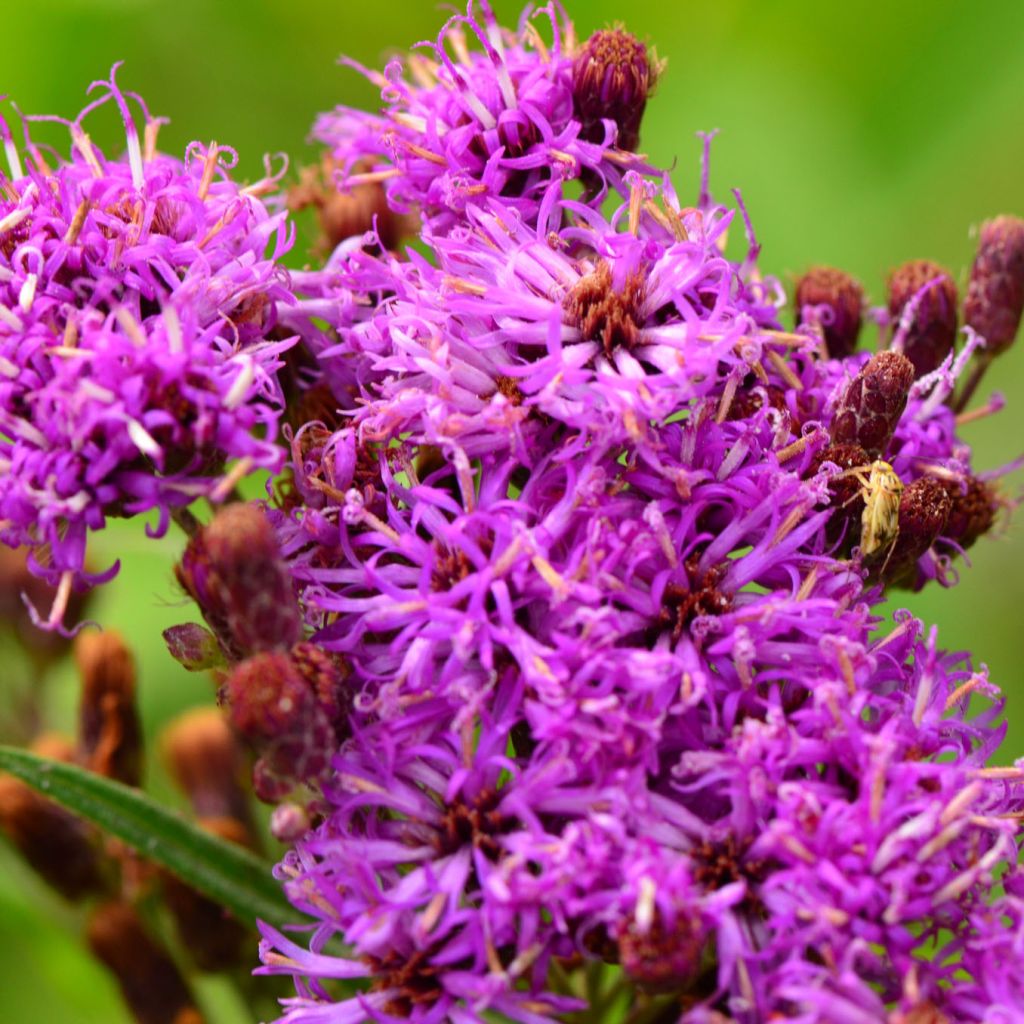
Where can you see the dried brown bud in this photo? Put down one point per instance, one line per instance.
(972, 512)
(276, 709)
(148, 978)
(835, 300)
(873, 403)
(215, 940)
(203, 757)
(924, 509)
(995, 294)
(233, 570)
(326, 673)
(109, 731)
(932, 331)
(57, 845)
(611, 79)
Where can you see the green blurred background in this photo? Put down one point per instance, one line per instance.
(861, 135)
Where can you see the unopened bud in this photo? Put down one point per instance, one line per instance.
(233, 570)
(932, 330)
(662, 959)
(924, 509)
(203, 757)
(844, 524)
(109, 731)
(148, 978)
(275, 709)
(834, 300)
(214, 939)
(289, 823)
(972, 511)
(995, 295)
(873, 403)
(57, 845)
(326, 673)
(193, 647)
(612, 77)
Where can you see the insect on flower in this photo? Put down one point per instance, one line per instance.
(881, 489)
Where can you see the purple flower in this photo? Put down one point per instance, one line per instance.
(138, 298)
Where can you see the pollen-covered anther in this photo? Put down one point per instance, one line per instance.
(611, 318)
(995, 294)
(833, 300)
(612, 77)
(873, 403)
(923, 305)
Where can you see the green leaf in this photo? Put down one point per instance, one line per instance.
(227, 873)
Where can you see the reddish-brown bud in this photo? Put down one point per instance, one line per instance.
(109, 731)
(326, 673)
(834, 300)
(233, 570)
(148, 978)
(844, 491)
(995, 294)
(932, 330)
(57, 845)
(873, 403)
(612, 77)
(662, 958)
(215, 940)
(924, 509)
(972, 511)
(276, 709)
(203, 757)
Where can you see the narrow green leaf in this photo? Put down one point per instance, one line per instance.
(227, 873)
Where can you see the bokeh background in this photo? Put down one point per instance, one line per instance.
(860, 134)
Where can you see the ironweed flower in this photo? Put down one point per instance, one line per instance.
(589, 539)
(137, 302)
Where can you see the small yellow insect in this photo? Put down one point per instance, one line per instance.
(881, 488)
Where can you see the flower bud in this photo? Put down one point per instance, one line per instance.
(193, 647)
(932, 331)
(215, 940)
(148, 978)
(995, 294)
(924, 509)
(844, 492)
(203, 757)
(275, 709)
(233, 570)
(56, 844)
(972, 511)
(611, 79)
(834, 300)
(662, 958)
(289, 822)
(873, 403)
(110, 735)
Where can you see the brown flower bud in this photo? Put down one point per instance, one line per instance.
(215, 940)
(326, 673)
(612, 77)
(835, 300)
(203, 757)
(109, 731)
(845, 498)
(873, 403)
(924, 509)
(972, 511)
(148, 978)
(995, 294)
(233, 570)
(58, 846)
(932, 331)
(662, 959)
(276, 710)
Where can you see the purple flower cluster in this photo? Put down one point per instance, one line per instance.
(138, 310)
(591, 541)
